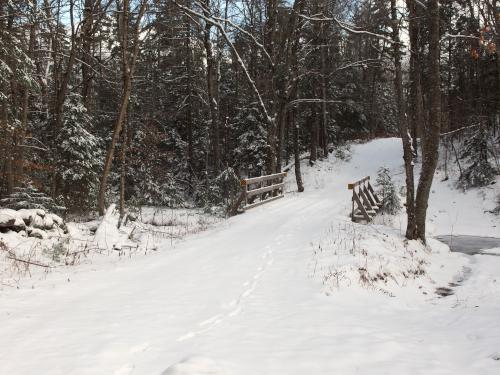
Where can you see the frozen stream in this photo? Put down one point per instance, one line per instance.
(470, 244)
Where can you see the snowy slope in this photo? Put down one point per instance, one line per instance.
(246, 298)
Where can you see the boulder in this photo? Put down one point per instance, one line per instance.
(33, 218)
(37, 222)
(37, 233)
(11, 220)
(48, 222)
(27, 215)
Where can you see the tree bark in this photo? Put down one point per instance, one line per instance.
(123, 171)
(270, 42)
(430, 139)
(416, 93)
(189, 74)
(313, 156)
(290, 50)
(128, 67)
(403, 126)
(296, 151)
(88, 20)
(212, 93)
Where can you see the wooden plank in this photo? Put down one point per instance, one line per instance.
(366, 202)
(255, 180)
(369, 196)
(262, 202)
(377, 199)
(360, 206)
(264, 189)
(351, 186)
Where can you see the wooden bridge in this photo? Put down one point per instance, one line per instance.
(260, 190)
(365, 203)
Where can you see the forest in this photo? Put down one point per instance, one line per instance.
(171, 102)
(283, 187)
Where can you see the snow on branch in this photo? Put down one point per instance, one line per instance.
(460, 129)
(350, 28)
(419, 3)
(305, 100)
(219, 26)
(240, 29)
(458, 36)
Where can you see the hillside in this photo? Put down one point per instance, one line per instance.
(292, 287)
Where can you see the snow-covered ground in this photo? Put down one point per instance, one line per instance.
(292, 287)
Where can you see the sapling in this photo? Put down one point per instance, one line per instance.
(386, 191)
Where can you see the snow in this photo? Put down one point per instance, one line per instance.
(252, 295)
(10, 218)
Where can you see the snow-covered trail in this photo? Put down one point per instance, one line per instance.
(243, 296)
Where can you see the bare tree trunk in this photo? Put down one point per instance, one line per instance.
(324, 95)
(495, 6)
(19, 170)
(313, 156)
(189, 73)
(416, 94)
(62, 89)
(323, 29)
(212, 93)
(88, 20)
(128, 67)
(403, 127)
(270, 42)
(430, 137)
(290, 50)
(296, 151)
(123, 171)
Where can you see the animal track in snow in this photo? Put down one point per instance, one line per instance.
(212, 322)
(139, 348)
(125, 369)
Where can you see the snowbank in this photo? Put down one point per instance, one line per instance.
(380, 258)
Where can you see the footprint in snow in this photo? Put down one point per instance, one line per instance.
(140, 348)
(125, 370)
(213, 319)
(234, 312)
(195, 365)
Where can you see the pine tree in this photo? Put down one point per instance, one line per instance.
(496, 210)
(79, 155)
(391, 203)
(28, 197)
(479, 172)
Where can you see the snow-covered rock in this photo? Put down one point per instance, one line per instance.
(37, 222)
(48, 223)
(27, 215)
(11, 220)
(17, 220)
(57, 220)
(37, 233)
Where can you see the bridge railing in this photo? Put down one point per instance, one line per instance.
(259, 190)
(365, 202)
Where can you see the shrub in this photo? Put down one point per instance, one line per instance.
(387, 192)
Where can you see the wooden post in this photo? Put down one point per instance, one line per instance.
(245, 191)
